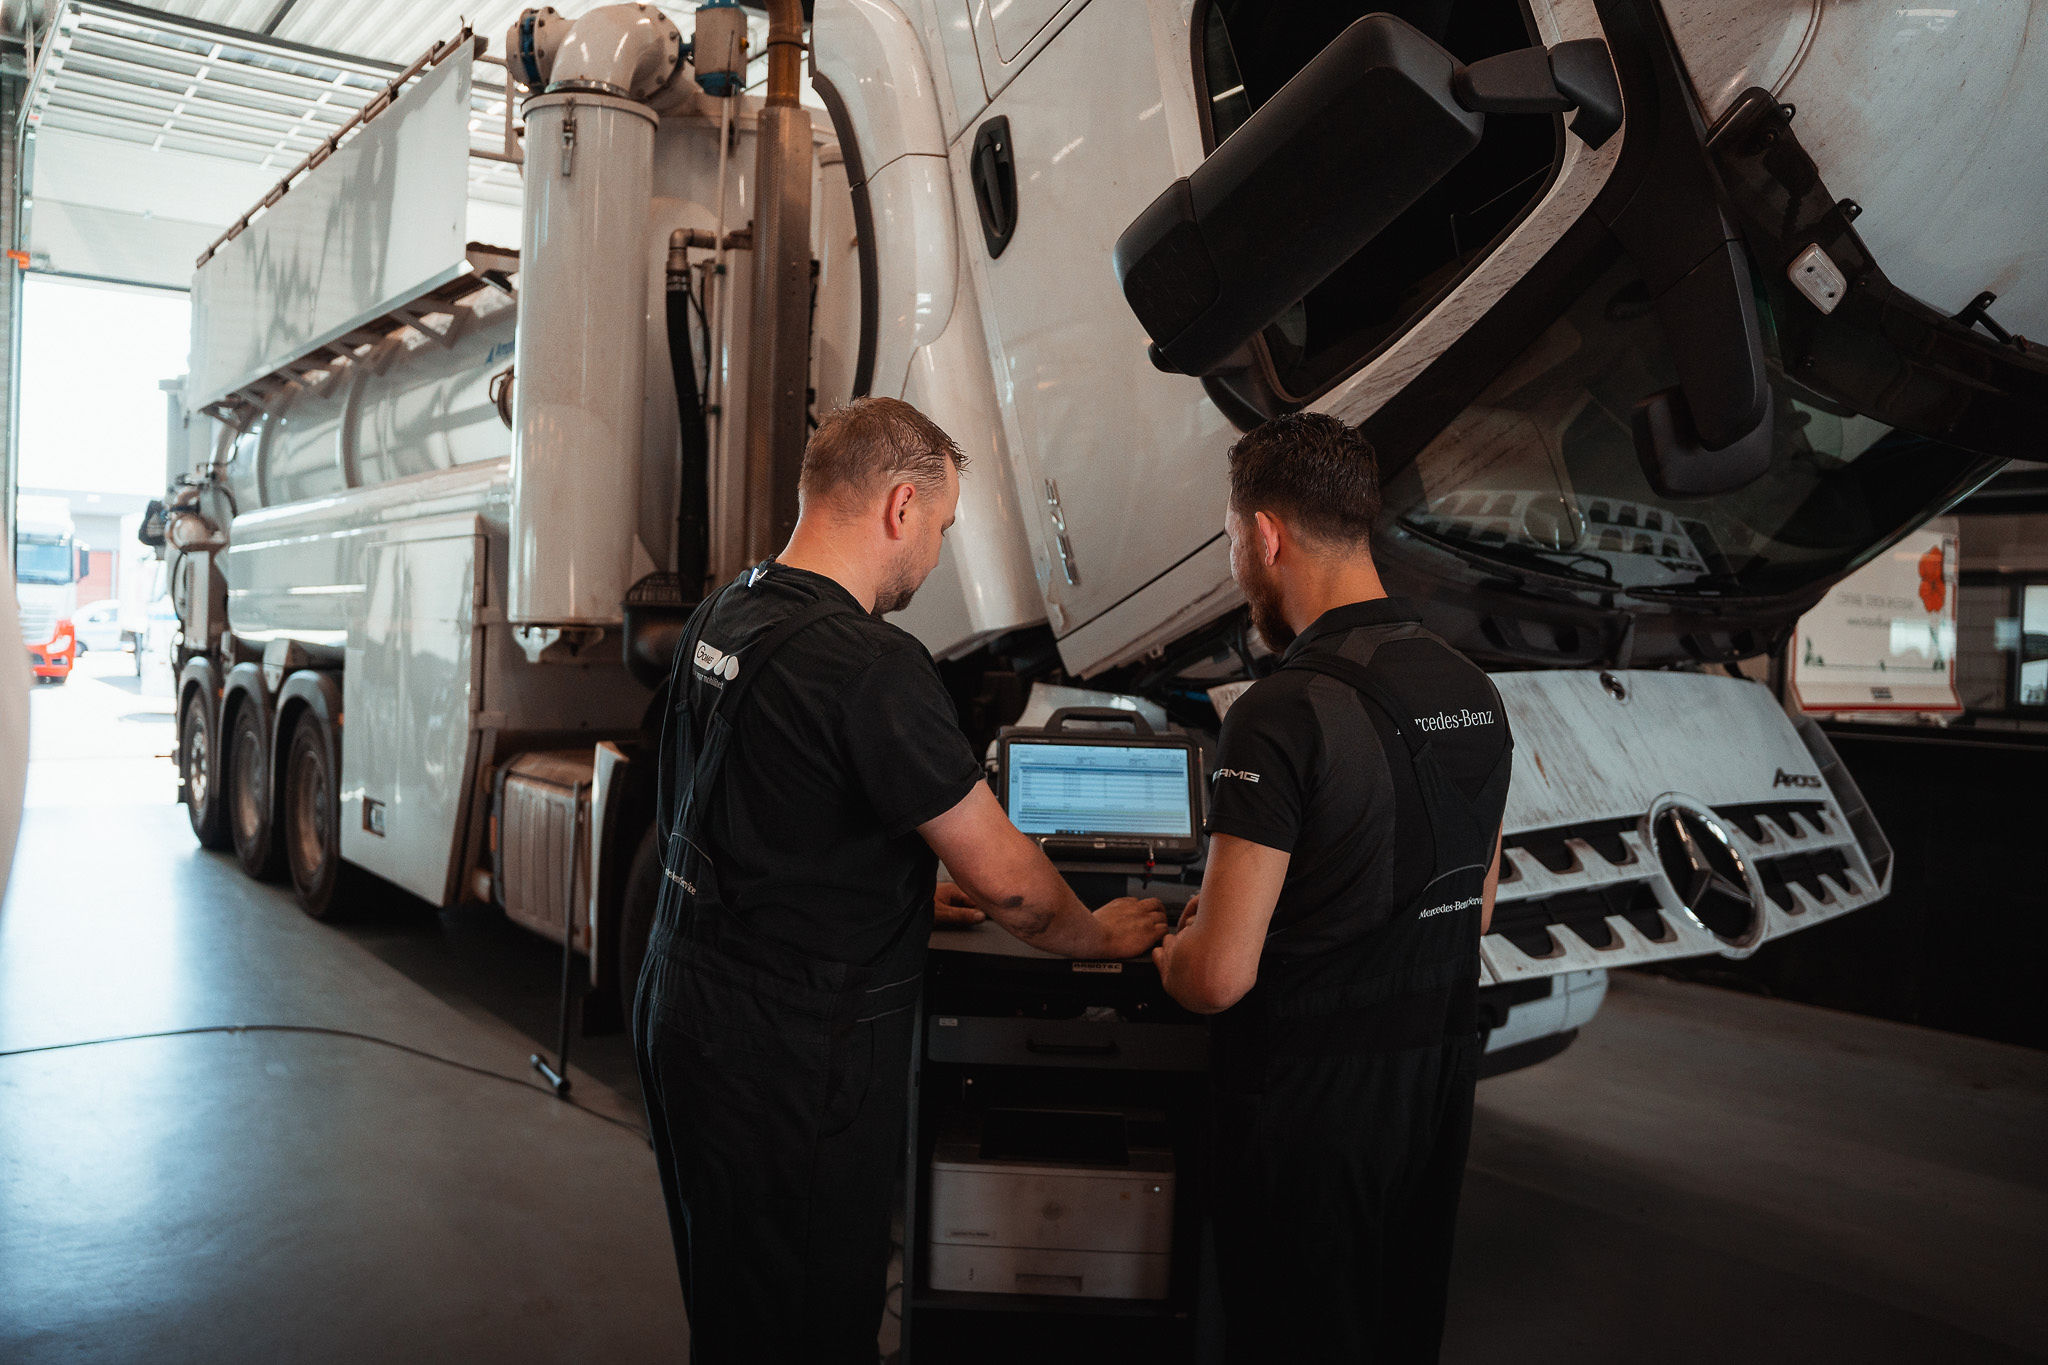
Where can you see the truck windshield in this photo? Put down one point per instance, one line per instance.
(42, 559)
(1541, 471)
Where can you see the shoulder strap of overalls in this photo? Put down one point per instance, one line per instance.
(757, 656)
(753, 662)
(686, 648)
(1356, 676)
(1427, 774)
(1403, 991)
(761, 651)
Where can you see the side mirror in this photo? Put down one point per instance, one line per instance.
(151, 532)
(84, 562)
(1323, 167)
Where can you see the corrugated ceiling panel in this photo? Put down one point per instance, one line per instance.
(399, 30)
(386, 30)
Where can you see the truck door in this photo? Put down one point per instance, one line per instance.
(1120, 465)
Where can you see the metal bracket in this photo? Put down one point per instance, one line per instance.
(1978, 314)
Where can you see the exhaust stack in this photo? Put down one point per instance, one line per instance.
(778, 382)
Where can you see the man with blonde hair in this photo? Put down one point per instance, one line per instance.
(813, 767)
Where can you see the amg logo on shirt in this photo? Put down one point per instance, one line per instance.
(1785, 779)
(1454, 720)
(1238, 773)
(1449, 906)
(715, 662)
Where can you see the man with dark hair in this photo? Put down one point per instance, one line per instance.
(812, 766)
(1354, 846)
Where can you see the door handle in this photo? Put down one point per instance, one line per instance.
(994, 170)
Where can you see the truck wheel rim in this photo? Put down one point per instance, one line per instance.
(248, 781)
(195, 762)
(309, 814)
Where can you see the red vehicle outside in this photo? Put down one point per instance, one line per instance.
(53, 658)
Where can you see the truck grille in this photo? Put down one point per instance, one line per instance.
(1595, 893)
(37, 624)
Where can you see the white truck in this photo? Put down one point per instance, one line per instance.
(48, 564)
(1640, 392)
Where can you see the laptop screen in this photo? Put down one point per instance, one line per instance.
(1100, 789)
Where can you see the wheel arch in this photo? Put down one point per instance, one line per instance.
(244, 687)
(243, 684)
(307, 689)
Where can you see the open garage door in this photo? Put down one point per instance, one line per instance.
(143, 135)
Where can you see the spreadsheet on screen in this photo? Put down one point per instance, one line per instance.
(1100, 789)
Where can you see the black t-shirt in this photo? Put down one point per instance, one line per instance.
(1307, 766)
(842, 748)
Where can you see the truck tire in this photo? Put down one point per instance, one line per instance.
(195, 766)
(311, 826)
(636, 921)
(248, 804)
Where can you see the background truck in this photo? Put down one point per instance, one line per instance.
(48, 564)
(1640, 391)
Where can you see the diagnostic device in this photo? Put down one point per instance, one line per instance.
(1102, 796)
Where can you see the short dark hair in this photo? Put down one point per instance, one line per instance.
(1313, 471)
(872, 443)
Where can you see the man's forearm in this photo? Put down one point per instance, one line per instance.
(1192, 977)
(1040, 909)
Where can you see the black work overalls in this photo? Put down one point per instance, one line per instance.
(1343, 1089)
(776, 1083)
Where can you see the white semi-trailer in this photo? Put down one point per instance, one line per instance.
(1640, 389)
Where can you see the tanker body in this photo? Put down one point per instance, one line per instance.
(431, 527)
(1641, 394)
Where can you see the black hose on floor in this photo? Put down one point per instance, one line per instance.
(395, 1046)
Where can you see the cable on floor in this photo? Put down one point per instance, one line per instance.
(635, 1129)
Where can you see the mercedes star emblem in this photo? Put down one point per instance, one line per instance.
(1706, 872)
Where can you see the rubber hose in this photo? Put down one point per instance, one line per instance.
(693, 512)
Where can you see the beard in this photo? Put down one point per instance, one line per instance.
(897, 590)
(1262, 592)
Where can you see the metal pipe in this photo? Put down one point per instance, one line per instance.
(785, 50)
(778, 375)
(717, 295)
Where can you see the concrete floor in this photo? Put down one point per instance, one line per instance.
(1707, 1176)
(1704, 1177)
(274, 1196)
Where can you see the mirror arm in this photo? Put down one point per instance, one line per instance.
(1575, 75)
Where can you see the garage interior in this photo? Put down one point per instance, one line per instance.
(230, 1131)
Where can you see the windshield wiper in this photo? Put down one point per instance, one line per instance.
(1706, 585)
(1529, 557)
